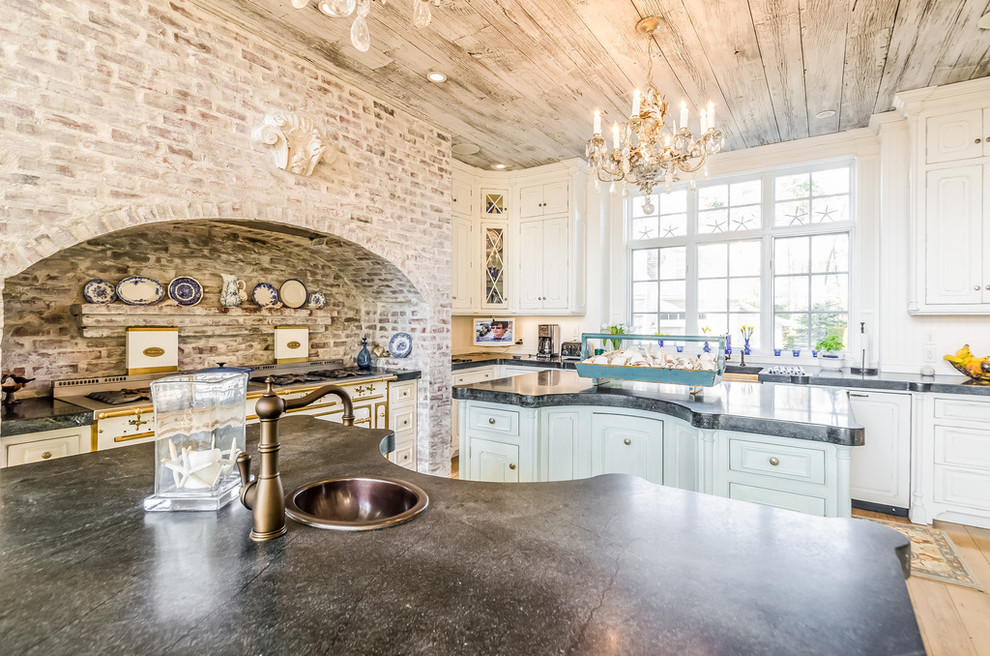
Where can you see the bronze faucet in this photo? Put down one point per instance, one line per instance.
(264, 495)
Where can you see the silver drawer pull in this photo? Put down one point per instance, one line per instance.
(627, 441)
(774, 461)
(859, 396)
(491, 420)
(512, 465)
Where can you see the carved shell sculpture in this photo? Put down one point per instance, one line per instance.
(297, 145)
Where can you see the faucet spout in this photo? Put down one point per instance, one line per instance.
(264, 495)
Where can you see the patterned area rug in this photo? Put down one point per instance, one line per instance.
(933, 556)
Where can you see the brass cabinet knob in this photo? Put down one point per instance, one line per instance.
(46, 455)
(774, 461)
(987, 288)
(978, 140)
(627, 441)
(976, 288)
(491, 420)
(512, 465)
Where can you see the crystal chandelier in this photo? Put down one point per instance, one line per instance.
(646, 149)
(360, 37)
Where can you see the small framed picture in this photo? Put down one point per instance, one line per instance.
(494, 332)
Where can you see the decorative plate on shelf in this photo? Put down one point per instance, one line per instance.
(99, 291)
(317, 301)
(185, 290)
(293, 294)
(400, 345)
(265, 295)
(138, 290)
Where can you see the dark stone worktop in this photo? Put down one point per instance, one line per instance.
(809, 413)
(610, 564)
(939, 384)
(42, 414)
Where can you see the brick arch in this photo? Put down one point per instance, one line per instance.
(391, 254)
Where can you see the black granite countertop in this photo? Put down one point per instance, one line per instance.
(472, 360)
(940, 384)
(808, 412)
(610, 564)
(41, 414)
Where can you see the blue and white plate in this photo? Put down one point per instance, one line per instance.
(317, 301)
(99, 291)
(265, 295)
(138, 290)
(185, 290)
(400, 345)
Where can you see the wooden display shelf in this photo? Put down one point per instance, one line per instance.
(101, 321)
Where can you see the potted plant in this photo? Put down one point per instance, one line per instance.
(829, 355)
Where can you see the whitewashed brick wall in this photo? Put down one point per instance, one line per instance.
(115, 115)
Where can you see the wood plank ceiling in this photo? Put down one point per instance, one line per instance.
(525, 75)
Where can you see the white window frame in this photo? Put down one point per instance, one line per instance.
(766, 233)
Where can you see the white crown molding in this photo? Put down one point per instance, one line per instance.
(296, 145)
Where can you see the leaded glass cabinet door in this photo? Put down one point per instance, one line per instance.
(493, 271)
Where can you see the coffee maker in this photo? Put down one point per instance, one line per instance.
(547, 341)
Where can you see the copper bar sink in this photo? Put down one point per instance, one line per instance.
(355, 504)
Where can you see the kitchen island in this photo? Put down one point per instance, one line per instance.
(613, 564)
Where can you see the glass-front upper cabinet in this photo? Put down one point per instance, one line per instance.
(493, 203)
(493, 270)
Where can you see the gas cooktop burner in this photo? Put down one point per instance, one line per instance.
(311, 377)
(120, 397)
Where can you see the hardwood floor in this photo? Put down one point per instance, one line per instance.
(954, 620)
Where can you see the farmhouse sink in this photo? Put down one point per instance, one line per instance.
(355, 504)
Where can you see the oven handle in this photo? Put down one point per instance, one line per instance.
(135, 436)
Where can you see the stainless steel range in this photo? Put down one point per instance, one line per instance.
(123, 413)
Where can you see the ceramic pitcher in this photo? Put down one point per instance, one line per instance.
(233, 291)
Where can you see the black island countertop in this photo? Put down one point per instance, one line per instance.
(611, 564)
(803, 412)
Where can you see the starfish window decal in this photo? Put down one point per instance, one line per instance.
(742, 223)
(646, 233)
(669, 231)
(716, 226)
(826, 215)
(798, 216)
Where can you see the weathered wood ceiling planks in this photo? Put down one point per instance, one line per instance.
(525, 75)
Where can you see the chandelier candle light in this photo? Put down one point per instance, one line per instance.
(645, 149)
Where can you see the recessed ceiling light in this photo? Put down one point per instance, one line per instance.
(436, 76)
(465, 149)
(825, 113)
(499, 166)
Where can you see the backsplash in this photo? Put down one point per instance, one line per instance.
(44, 337)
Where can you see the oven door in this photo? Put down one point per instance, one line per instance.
(130, 427)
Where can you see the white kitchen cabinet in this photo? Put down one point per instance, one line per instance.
(466, 377)
(462, 264)
(44, 445)
(880, 470)
(494, 461)
(402, 412)
(461, 195)
(960, 435)
(565, 450)
(497, 442)
(493, 271)
(948, 128)
(622, 444)
(544, 264)
(544, 199)
(955, 237)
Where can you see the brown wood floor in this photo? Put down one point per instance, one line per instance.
(954, 620)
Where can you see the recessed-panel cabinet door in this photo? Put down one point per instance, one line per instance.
(461, 197)
(531, 265)
(555, 263)
(954, 236)
(461, 279)
(568, 457)
(622, 444)
(954, 136)
(555, 198)
(880, 470)
(496, 462)
(531, 201)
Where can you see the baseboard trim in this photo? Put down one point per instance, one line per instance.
(880, 508)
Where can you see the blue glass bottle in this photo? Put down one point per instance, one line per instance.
(364, 356)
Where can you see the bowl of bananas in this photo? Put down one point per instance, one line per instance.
(967, 363)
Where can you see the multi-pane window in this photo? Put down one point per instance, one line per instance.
(766, 250)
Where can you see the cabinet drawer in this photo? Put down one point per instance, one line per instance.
(968, 447)
(778, 499)
(56, 447)
(405, 456)
(962, 487)
(788, 462)
(960, 409)
(474, 376)
(402, 392)
(403, 420)
(493, 420)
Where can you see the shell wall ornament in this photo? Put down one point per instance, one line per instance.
(296, 144)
